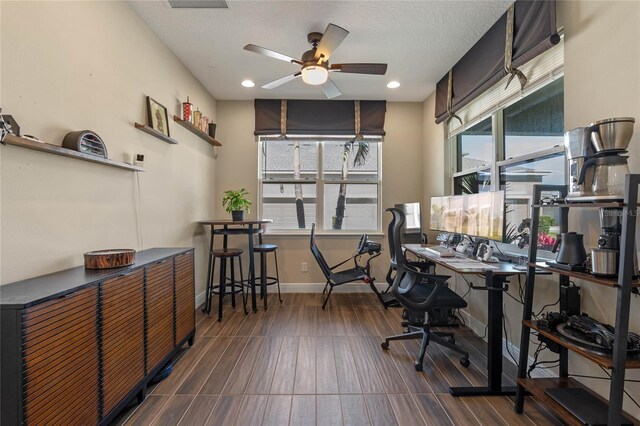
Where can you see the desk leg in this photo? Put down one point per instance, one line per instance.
(252, 271)
(494, 350)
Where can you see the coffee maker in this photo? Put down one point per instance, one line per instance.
(597, 164)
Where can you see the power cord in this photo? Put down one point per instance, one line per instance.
(506, 336)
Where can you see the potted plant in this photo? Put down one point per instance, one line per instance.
(236, 202)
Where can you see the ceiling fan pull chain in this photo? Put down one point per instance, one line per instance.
(452, 114)
(508, 52)
(283, 118)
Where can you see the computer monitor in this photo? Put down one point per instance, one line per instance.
(411, 231)
(479, 215)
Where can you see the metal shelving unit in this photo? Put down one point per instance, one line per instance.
(618, 362)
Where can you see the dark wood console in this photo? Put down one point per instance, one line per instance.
(78, 344)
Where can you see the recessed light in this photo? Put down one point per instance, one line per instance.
(393, 85)
(248, 83)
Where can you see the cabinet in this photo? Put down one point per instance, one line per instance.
(623, 285)
(78, 344)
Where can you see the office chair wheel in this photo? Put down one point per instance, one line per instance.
(418, 366)
(384, 345)
(464, 361)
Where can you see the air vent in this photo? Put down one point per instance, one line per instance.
(198, 4)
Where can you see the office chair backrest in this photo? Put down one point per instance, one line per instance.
(390, 237)
(317, 254)
(407, 277)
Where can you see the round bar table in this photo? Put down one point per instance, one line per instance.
(226, 227)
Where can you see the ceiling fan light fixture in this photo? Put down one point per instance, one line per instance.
(248, 83)
(315, 75)
(393, 84)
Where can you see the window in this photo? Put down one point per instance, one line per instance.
(475, 154)
(525, 148)
(333, 183)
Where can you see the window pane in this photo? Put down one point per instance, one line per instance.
(475, 146)
(518, 181)
(278, 159)
(536, 122)
(473, 183)
(279, 204)
(335, 154)
(360, 203)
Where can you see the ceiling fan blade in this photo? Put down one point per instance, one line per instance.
(271, 53)
(331, 39)
(378, 69)
(330, 89)
(281, 81)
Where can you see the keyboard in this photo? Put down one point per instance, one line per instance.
(440, 251)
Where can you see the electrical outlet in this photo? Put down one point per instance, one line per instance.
(138, 160)
(304, 267)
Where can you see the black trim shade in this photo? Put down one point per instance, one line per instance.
(319, 117)
(483, 65)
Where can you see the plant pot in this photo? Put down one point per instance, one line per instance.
(237, 215)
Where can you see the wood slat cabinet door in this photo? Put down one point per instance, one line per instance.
(159, 296)
(61, 360)
(185, 295)
(122, 337)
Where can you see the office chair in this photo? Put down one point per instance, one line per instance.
(418, 293)
(357, 273)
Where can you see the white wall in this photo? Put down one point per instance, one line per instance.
(401, 177)
(88, 65)
(602, 79)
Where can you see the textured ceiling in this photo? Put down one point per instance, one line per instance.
(420, 40)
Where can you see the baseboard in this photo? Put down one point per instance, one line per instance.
(200, 298)
(478, 328)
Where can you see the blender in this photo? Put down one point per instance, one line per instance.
(605, 258)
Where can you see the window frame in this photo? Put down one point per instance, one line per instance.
(499, 140)
(319, 180)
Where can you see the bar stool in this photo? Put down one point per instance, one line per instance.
(223, 254)
(264, 279)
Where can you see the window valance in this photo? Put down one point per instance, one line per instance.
(529, 28)
(319, 117)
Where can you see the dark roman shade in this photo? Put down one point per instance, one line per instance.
(534, 31)
(318, 117)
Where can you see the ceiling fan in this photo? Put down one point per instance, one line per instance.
(315, 62)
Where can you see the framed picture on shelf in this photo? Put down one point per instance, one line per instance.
(157, 117)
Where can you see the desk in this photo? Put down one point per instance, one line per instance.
(228, 227)
(495, 275)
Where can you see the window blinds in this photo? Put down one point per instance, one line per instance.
(319, 117)
(525, 31)
(540, 71)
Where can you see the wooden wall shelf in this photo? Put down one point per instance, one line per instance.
(155, 133)
(193, 129)
(58, 150)
(608, 282)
